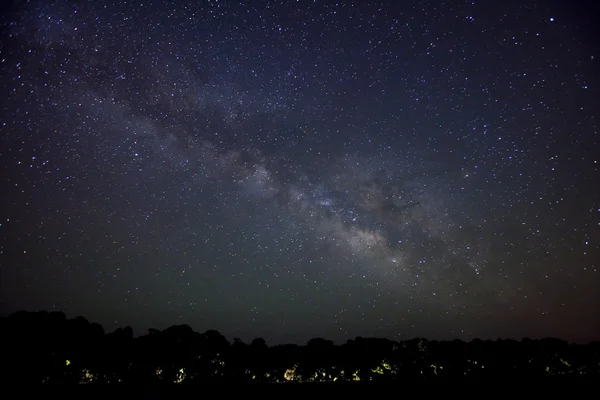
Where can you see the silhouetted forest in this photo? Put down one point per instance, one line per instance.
(46, 347)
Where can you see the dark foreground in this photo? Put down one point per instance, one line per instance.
(537, 387)
(60, 353)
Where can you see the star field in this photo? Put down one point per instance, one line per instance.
(303, 168)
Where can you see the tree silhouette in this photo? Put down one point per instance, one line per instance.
(42, 347)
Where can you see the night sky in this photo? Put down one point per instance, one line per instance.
(297, 169)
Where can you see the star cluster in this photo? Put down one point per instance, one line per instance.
(290, 169)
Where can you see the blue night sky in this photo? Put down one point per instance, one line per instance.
(293, 169)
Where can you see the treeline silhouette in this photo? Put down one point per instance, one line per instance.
(46, 347)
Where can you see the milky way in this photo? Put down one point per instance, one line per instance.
(299, 169)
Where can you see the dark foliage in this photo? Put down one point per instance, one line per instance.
(46, 347)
